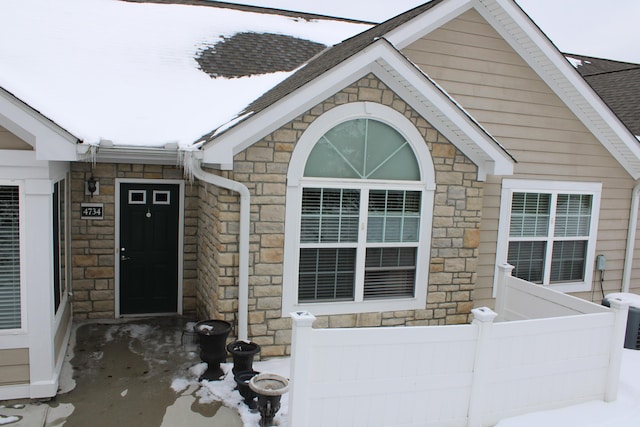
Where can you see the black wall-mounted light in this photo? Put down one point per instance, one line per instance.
(92, 185)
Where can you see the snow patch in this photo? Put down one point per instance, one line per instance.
(180, 384)
(126, 72)
(8, 419)
(577, 62)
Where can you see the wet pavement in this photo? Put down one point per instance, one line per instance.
(133, 373)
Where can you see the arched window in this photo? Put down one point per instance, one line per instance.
(362, 215)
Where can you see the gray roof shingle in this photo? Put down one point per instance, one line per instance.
(617, 83)
(329, 59)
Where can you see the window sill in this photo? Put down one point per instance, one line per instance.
(350, 307)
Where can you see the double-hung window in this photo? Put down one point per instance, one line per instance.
(10, 305)
(548, 231)
(360, 239)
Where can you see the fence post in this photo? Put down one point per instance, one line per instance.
(504, 273)
(620, 309)
(483, 318)
(301, 343)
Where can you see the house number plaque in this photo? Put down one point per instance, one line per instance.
(91, 210)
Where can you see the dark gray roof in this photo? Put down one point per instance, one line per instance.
(247, 54)
(329, 59)
(617, 83)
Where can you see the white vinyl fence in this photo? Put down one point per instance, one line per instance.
(546, 350)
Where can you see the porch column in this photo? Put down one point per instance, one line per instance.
(38, 266)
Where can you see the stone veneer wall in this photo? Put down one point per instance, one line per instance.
(263, 169)
(93, 241)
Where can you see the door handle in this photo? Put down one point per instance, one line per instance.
(124, 258)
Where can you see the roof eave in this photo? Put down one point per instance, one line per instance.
(50, 140)
(542, 55)
(393, 69)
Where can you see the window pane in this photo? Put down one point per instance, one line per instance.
(573, 215)
(389, 273)
(394, 216)
(9, 258)
(389, 155)
(528, 260)
(56, 246)
(530, 214)
(568, 261)
(365, 149)
(326, 274)
(329, 215)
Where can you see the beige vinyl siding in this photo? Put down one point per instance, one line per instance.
(471, 61)
(14, 366)
(8, 141)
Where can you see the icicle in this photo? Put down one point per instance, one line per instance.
(188, 158)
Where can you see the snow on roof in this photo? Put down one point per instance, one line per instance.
(575, 61)
(127, 72)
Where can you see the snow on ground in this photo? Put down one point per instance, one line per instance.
(624, 412)
(126, 72)
(224, 390)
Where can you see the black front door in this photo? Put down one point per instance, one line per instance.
(149, 217)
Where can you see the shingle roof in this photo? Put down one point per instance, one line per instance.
(250, 53)
(127, 72)
(327, 60)
(617, 83)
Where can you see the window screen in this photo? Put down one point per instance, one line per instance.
(9, 258)
(549, 235)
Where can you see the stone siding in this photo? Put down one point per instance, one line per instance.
(263, 169)
(93, 241)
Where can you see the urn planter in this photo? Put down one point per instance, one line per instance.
(242, 382)
(269, 388)
(212, 336)
(242, 353)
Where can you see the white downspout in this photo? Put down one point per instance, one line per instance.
(631, 239)
(194, 168)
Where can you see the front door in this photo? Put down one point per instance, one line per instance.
(149, 221)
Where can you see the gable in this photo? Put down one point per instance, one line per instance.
(494, 83)
(9, 141)
(28, 126)
(388, 65)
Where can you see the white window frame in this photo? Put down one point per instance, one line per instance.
(296, 182)
(23, 280)
(510, 186)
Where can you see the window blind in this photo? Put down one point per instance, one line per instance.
(9, 258)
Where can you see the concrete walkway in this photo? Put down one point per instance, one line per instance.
(123, 373)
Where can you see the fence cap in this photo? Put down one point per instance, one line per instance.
(484, 314)
(632, 299)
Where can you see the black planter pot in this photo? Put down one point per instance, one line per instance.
(213, 335)
(242, 382)
(242, 353)
(269, 388)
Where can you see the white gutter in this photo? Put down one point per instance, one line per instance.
(631, 238)
(192, 163)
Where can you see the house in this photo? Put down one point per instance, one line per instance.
(237, 168)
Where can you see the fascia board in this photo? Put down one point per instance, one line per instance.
(449, 118)
(547, 61)
(443, 113)
(422, 25)
(50, 141)
(238, 138)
